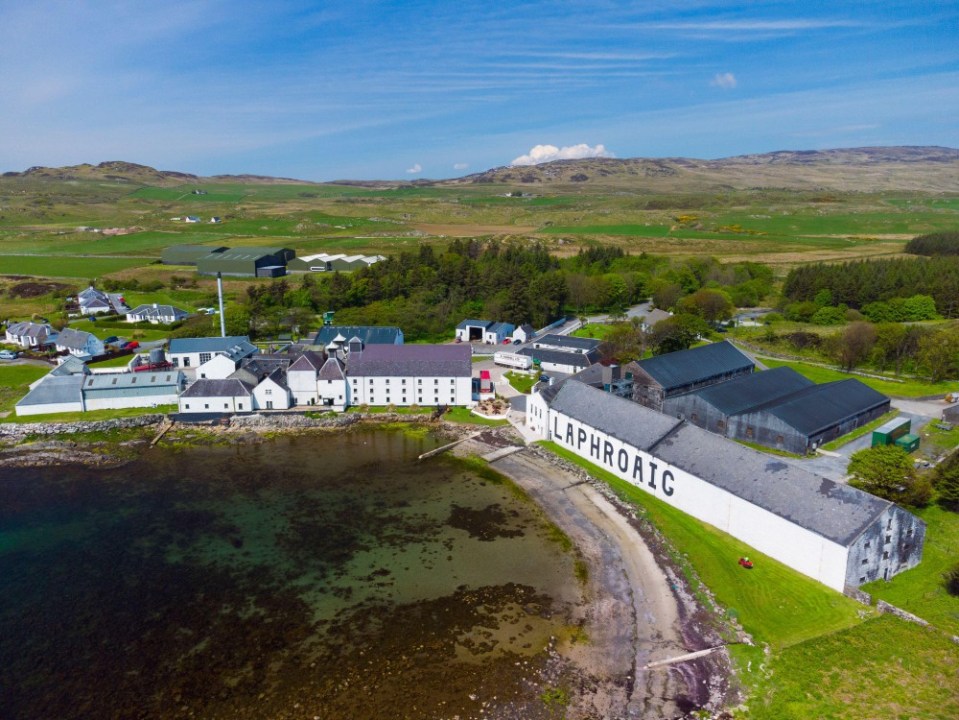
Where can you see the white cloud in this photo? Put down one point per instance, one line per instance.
(417, 168)
(547, 153)
(460, 166)
(726, 81)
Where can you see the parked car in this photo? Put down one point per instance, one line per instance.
(130, 345)
(506, 341)
(110, 340)
(8, 355)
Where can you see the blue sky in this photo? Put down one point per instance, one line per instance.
(400, 90)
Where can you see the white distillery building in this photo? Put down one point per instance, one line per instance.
(405, 375)
(833, 533)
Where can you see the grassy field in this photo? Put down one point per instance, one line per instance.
(65, 266)
(908, 388)
(14, 382)
(92, 415)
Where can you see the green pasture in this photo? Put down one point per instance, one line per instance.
(882, 669)
(15, 381)
(920, 590)
(773, 603)
(64, 266)
(597, 331)
(908, 388)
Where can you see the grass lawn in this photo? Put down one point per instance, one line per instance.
(104, 331)
(14, 383)
(883, 668)
(94, 415)
(908, 388)
(598, 331)
(121, 361)
(463, 415)
(773, 603)
(521, 382)
(859, 432)
(920, 590)
(66, 267)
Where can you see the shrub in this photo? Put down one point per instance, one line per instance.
(951, 580)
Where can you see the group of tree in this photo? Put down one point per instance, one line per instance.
(918, 287)
(941, 243)
(888, 472)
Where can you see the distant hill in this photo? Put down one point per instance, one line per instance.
(120, 171)
(867, 169)
(870, 169)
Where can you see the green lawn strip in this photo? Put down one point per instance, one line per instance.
(937, 442)
(908, 388)
(93, 415)
(768, 450)
(859, 432)
(142, 334)
(883, 668)
(63, 266)
(597, 331)
(375, 409)
(920, 590)
(773, 603)
(463, 415)
(120, 361)
(521, 382)
(14, 384)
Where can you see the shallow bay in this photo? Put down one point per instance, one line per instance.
(314, 576)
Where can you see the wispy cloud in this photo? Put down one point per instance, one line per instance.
(726, 81)
(460, 166)
(546, 153)
(415, 170)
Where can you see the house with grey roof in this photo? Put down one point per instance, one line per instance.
(560, 361)
(658, 379)
(487, 331)
(524, 333)
(652, 318)
(228, 396)
(566, 343)
(53, 394)
(407, 375)
(156, 314)
(332, 387)
(193, 352)
(30, 335)
(112, 391)
(79, 343)
(97, 302)
(831, 532)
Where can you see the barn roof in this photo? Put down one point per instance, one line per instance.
(561, 357)
(218, 388)
(684, 367)
(835, 511)
(369, 334)
(54, 389)
(818, 407)
(568, 342)
(412, 361)
(749, 391)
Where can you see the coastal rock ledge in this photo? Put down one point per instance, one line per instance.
(17, 432)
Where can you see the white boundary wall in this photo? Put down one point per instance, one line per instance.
(775, 536)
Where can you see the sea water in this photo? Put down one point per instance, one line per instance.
(314, 576)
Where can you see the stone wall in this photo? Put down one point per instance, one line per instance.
(19, 431)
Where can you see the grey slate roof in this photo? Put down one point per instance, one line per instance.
(71, 365)
(263, 365)
(750, 391)
(561, 357)
(412, 361)
(501, 327)
(307, 362)
(369, 334)
(29, 329)
(157, 311)
(567, 342)
(102, 381)
(684, 367)
(73, 339)
(834, 511)
(218, 388)
(55, 389)
(332, 370)
(819, 407)
(226, 345)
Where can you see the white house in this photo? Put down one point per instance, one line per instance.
(831, 532)
(96, 302)
(79, 343)
(217, 396)
(332, 388)
(30, 335)
(272, 393)
(301, 378)
(218, 367)
(156, 314)
(405, 375)
(192, 352)
(524, 333)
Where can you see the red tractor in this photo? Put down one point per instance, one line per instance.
(746, 563)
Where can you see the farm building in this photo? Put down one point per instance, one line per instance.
(335, 337)
(30, 335)
(217, 396)
(831, 532)
(53, 394)
(487, 331)
(156, 314)
(188, 254)
(110, 391)
(658, 379)
(405, 375)
(654, 316)
(566, 343)
(779, 408)
(192, 352)
(524, 333)
(325, 262)
(560, 361)
(246, 262)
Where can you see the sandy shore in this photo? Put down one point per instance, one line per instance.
(638, 610)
